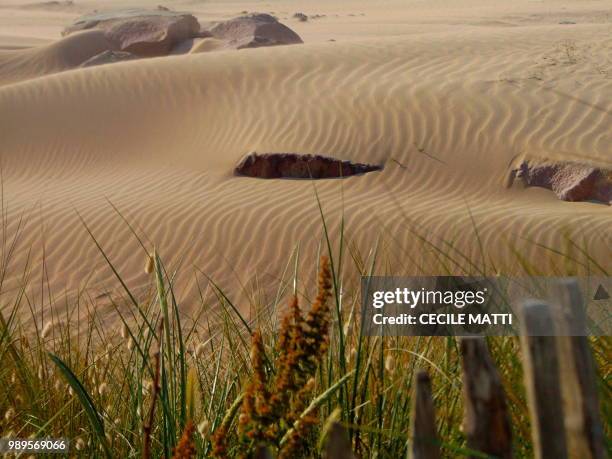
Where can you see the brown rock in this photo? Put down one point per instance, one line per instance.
(298, 166)
(569, 181)
(108, 57)
(253, 31)
(141, 32)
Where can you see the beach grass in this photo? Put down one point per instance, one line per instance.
(161, 384)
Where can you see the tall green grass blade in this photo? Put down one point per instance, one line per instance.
(86, 401)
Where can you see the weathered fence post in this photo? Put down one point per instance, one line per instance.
(262, 452)
(487, 422)
(424, 435)
(585, 435)
(338, 445)
(541, 368)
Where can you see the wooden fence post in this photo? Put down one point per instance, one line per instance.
(262, 452)
(338, 445)
(541, 368)
(487, 422)
(585, 435)
(424, 435)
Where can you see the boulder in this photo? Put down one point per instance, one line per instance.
(299, 166)
(108, 57)
(253, 31)
(569, 181)
(142, 32)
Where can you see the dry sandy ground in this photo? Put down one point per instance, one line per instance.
(446, 94)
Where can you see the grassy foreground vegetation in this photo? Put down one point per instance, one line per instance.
(219, 383)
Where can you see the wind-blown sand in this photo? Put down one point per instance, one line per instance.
(446, 96)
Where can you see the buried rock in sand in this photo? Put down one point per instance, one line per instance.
(569, 181)
(253, 31)
(299, 166)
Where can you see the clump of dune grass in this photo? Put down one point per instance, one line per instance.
(220, 383)
(273, 409)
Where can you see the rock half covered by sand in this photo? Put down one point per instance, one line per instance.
(141, 32)
(253, 31)
(569, 181)
(299, 166)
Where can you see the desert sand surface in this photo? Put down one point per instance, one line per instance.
(445, 94)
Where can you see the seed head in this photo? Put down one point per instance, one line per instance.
(79, 444)
(185, 448)
(10, 414)
(46, 331)
(147, 386)
(103, 389)
(149, 265)
(346, 328)
(204, 427)
(200, 349)
(125, 332)
(390, 363)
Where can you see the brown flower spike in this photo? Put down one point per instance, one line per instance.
(185, 448)
(273, 403)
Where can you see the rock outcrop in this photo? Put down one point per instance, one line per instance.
(569, 181)
(299, 166)
(109, 57)
(144, 33)
(253, 31)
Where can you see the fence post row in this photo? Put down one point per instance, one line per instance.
(560, 378)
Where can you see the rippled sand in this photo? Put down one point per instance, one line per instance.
(445, 96)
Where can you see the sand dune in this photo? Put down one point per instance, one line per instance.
(64, 54)
(447, 112)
